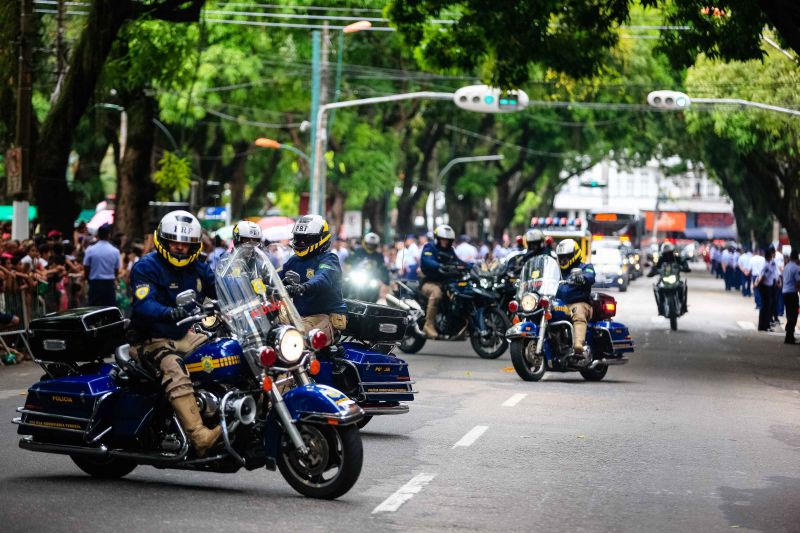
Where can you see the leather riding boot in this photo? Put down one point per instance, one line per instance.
(430, 318)
(201, 437)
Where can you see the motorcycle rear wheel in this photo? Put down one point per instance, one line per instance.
(331, 448)
(529, 370)
(104, 468)
(595, 374)
(412, 343)
(498, 323)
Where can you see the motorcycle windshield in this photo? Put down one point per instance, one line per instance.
(251, 295)
(670, 273)
(541, 275)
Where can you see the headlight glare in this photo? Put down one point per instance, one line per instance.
(290, 345)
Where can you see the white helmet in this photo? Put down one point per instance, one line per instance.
(534, 237)
(246, 232)
(444, 232)
(371, 241)
(178, 226)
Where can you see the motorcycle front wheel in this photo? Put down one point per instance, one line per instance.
(595, 374)
(495, 344)
(332, 465)
(527, 363)
(104, 468)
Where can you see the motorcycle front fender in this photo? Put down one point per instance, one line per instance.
(523, 330)
(322, 404)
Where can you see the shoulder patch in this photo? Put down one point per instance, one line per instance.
(427, 253)
(142, 291)
(325, 265)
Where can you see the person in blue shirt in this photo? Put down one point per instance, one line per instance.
(576, 292)
(791, 283)
(156, 280)
(313, 277)
(438, 264)
(101, 267)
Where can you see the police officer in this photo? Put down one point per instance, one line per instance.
(313, 277)
(369, 251)
(247, 232)
(576, 293)
(157, 279)
(438, 264)
(668, 256)
(534, 245)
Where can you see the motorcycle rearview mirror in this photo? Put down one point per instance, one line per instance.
(185, 298)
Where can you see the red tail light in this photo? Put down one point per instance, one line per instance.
(318, 339)
(610, 308)
(268, 356)
(513, 306)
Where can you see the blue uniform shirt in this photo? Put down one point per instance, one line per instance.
(434, 257)
(324, 275)
(102, 258)
(571, 294)
(156, 284)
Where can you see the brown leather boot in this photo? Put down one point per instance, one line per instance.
(430, 318)
(201, 437)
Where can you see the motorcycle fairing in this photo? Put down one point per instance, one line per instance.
(219, 361)
(320, 403)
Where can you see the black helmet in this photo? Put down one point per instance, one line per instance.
(310, 236)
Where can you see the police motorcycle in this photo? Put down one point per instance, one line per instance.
(670, 293)
(541, 337)
(362, 282)
(252, 377)
(469, 308)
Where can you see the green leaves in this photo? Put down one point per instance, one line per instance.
(173, 178)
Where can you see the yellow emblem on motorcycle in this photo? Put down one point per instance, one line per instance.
(142, 292)
(208, 364)
(258, 286)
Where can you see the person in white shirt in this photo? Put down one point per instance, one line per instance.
(465, 251)
(756, 266)
(767, 283)
(744, 268)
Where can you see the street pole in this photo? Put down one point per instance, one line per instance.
(316, 38)
(437, 184)
(319, 96)
(319, 134)
(25, 101)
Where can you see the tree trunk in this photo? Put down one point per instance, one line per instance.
(256, 200)
(238, 178)
(375, 212)
(134, 182)
(337, 207)
(9, 66)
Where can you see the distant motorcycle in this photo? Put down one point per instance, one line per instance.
(468, 309)
(361, 283)
(670, 292)
(541, 338)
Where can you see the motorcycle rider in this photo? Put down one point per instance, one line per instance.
(576, 293)
(668, 256)
(157, 279)
(438, 264)
(534, 245)
(313, 277)
(370, 252)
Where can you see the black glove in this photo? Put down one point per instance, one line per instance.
(291, 278)
(297, 290)
(178, 313)
(577, 279)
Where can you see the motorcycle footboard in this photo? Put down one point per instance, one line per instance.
(382, 377)
(64, 410)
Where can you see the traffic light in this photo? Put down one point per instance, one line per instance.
(485, 99)
(669, 100)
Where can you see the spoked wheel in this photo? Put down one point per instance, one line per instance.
(105, 467)
(332, 465)
(494, 344)
(528, 364)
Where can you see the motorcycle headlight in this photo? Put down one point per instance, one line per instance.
(528, 302)
(486, 283)
(290, 345)
(669, 279)
(359, 277)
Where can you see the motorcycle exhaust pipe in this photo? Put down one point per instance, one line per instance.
(396, 302)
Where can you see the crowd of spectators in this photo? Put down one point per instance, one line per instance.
(770, 276)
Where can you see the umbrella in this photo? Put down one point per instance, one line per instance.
(105, 216)
(225, 232)
(271, 222)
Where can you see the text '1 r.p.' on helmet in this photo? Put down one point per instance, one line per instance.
(178, 227)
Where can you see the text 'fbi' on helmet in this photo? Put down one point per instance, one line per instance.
(311, 235)
(178, 227)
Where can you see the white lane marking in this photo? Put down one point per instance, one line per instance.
(744, 324)
(404, 493)
(471, 436)
(514, 400)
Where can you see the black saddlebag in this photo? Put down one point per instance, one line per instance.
(375, 323)
(78, 335)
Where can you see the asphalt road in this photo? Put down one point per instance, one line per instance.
(700, 432)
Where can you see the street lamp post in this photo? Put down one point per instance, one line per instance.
(263, 142)
(437, 184)
(677, 100)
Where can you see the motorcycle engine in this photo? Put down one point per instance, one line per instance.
(208, 404)
(561, 340)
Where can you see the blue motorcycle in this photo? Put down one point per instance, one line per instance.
(541, 338)
(253, 381)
